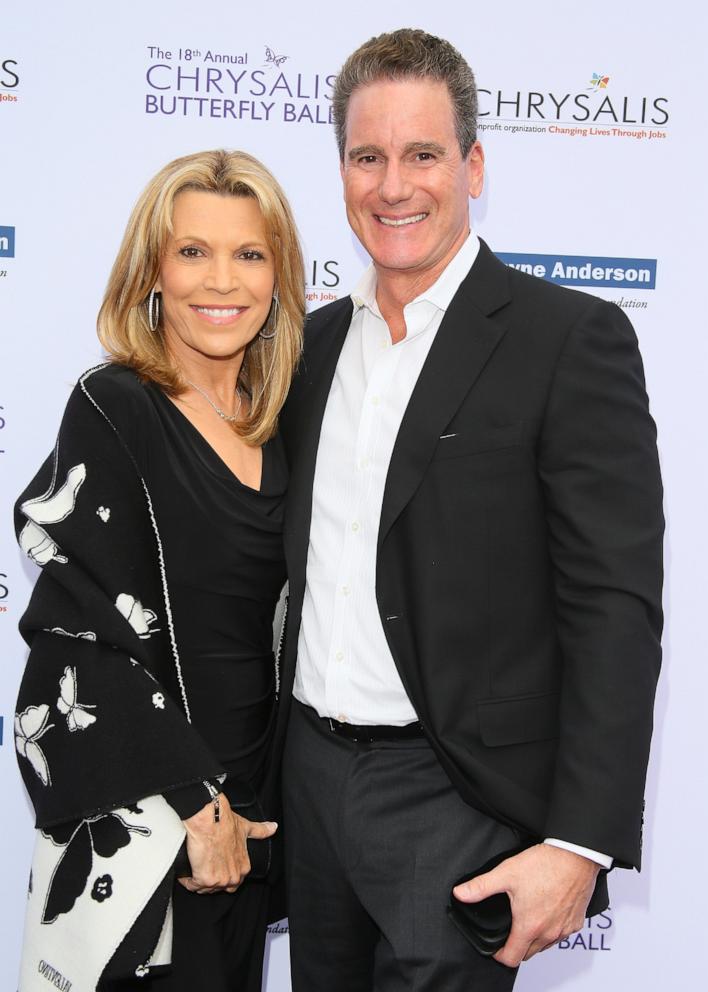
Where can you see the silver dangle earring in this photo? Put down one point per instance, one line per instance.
(273, 318)
(153, 309)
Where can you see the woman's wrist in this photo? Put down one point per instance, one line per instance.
(190, 799)
(215, 797)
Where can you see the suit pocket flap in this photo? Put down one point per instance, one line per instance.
(479, 438)
(519, 719)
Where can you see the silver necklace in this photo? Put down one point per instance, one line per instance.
(228, 417)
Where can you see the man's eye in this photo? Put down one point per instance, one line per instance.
(367, 159)
(425, 157)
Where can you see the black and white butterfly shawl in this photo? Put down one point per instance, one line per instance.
(102, 716)
(102, 712)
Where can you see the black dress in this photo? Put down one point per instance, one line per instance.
(224, 559)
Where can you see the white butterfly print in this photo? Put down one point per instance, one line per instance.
(51, 508)
(140, 619)
(84, 635)
(29, 727)
(77, 715)
(38, 545)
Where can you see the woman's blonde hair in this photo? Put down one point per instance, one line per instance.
(123, 320)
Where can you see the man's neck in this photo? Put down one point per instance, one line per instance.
(396, 289)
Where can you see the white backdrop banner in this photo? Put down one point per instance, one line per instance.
(593, 123)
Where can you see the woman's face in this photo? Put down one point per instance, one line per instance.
(216, 278)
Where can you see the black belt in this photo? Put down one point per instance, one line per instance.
(360, 733)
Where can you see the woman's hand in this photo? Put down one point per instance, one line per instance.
(217, 851)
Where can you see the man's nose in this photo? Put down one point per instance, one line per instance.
(395, 186)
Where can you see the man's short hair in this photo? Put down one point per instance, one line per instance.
(409, 53)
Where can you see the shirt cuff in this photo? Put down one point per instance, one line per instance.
(604, 860)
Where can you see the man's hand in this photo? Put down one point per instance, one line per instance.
(549, 889)
(217, 851)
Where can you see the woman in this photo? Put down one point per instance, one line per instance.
(145, 711)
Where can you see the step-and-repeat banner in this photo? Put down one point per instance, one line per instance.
(593, 122)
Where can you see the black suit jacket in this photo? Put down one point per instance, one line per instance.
(519, 554)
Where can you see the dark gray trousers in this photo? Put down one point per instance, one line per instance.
(375, 837)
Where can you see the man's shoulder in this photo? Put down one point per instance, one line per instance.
(548, 298)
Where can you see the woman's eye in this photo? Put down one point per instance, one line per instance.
(190, 252)
(251, 255)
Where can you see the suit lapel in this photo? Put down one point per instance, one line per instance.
(463, 344)
(318, 375)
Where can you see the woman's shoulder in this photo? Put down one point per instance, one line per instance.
(119, 396)
(116, 390)
(111, 382)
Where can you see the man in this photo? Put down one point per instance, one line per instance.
(474, 549)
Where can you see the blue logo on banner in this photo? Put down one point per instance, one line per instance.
(7, 242)
(585, 270)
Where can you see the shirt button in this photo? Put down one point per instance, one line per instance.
(342, 718)
(345, 590)
(339, 656)
(376, 400)
(355, 525)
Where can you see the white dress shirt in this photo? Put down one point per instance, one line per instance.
(345, 669)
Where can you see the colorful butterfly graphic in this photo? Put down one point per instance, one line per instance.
(77, 715)
(598, 82)
(277, 60)
(29, 727)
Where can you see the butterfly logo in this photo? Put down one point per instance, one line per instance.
(77, 715)
(598, 82)
(277, 60)
(30, 726)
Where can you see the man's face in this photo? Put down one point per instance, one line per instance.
(406, 185)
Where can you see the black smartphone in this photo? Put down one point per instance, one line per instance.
(486, 924)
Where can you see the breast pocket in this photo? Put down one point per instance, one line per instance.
(478, 439)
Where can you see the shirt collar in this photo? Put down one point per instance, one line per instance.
(364, 293)
(440, 294)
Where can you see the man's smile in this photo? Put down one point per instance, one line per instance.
(400, 221)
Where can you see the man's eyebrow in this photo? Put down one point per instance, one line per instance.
(364, 150)
(410, 149)
(425, 146)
